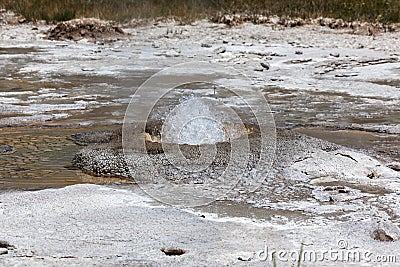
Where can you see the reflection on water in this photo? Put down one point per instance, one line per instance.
(302, 108)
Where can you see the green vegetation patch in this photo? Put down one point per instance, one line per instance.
(385, 11)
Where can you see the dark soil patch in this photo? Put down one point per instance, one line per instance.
(91, 29)
(173, 251)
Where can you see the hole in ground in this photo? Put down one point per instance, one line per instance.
(173, 251)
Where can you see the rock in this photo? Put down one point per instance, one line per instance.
(102, 161)
(394, 166)
(298, 52)
(87, 69)
(393, 129)
(372, 175)
(344, 75)
(91, 29)
(265, 65)
(156, 45)
(220, 50)
(325, 21)
(231, 20)
(244, 258)
(260, 19)
(334, 54)
(381, 235)
(298, 61)
(206, 45)
(172, 53)
(386, 231)
(337, 24)
(8, 17)
(5, 244)
(294, 22)
(3, 251)
(94, 137)
(277, 55)
(274, 19)
(22, 20)
(6, 149)
(173, 251)
(365, 28)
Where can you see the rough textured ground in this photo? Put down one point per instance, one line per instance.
(90, 29)
(308, 174)
(320, 194)
(95, 226)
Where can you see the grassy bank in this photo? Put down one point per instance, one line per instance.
(386, 11)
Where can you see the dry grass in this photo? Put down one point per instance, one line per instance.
(386, 11)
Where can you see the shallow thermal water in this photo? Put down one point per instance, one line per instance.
(62, 97)
(84, 97)
(297, 108)
(41, 159)
(378, 144)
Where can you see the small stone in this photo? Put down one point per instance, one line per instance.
(220, 50)
(89, 28)
(329, 188)
(156, 45)
(381, 235)
(334, 54)
(344, 75)
(265, 65)
(298, 52)
(372, 175)
(22, 20)
(206, 45)
(298, 61)
(87, 69)
(343, 191)
(5, 244)
(173, 251)
(172, 53)
(6, 149)
(394, 166)
(3, 251)
(244, 258)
